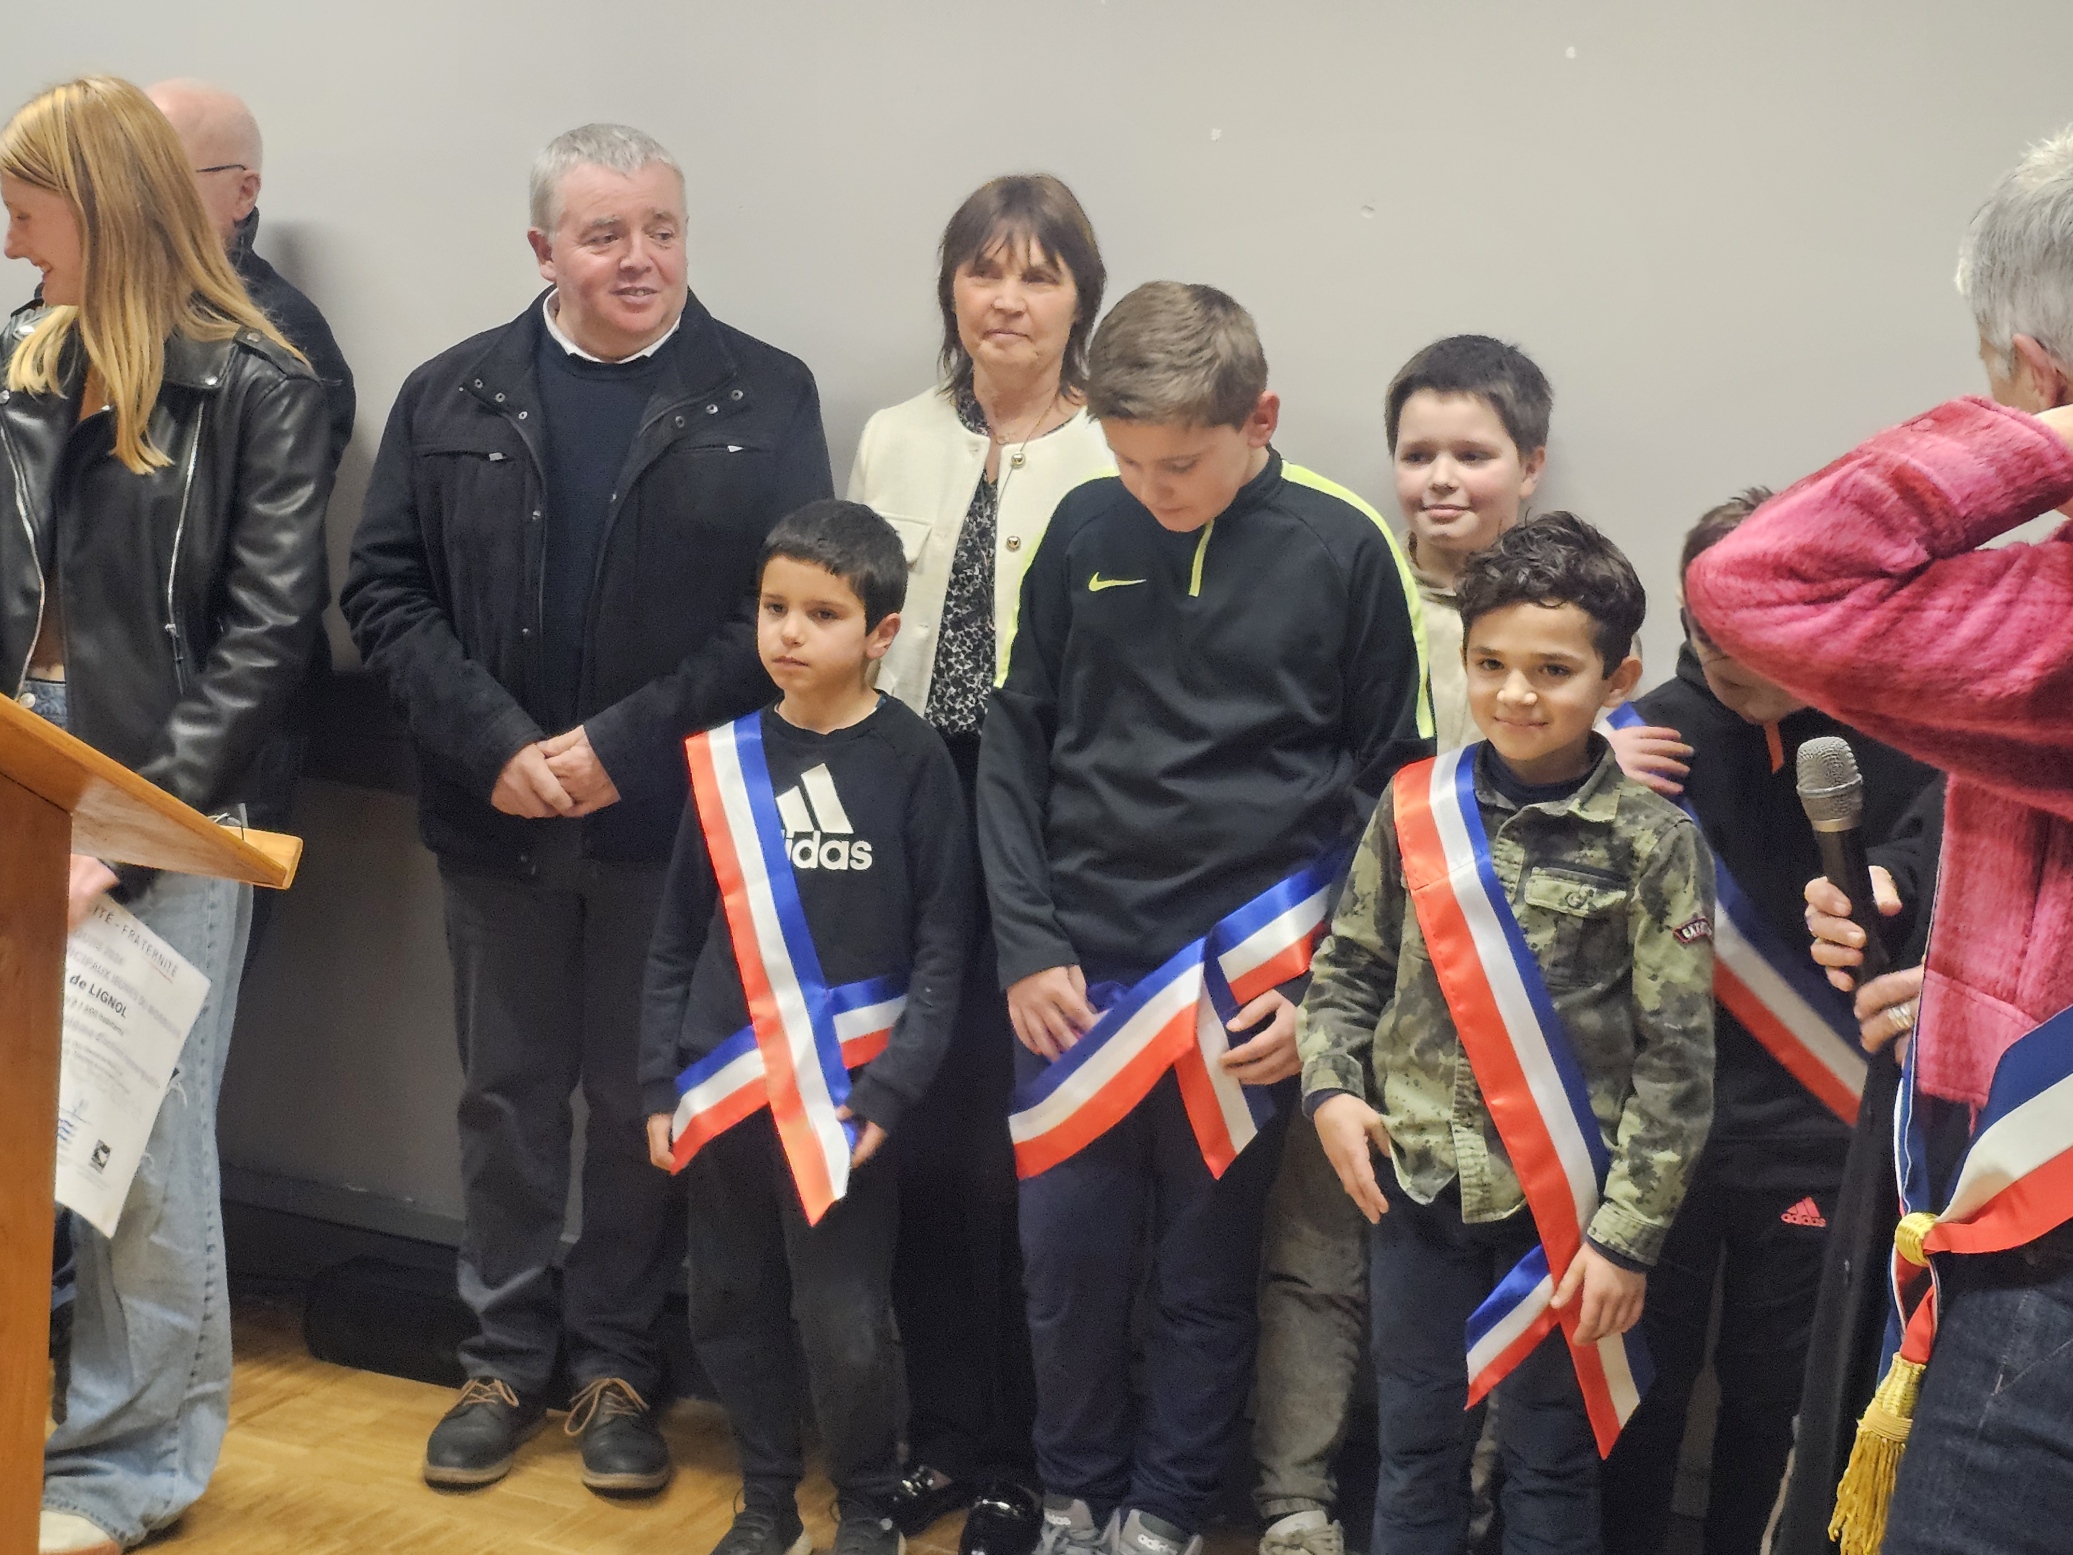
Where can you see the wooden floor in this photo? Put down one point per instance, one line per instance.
(321, 1460)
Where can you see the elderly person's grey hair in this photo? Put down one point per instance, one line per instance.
(2016, 266)
(618, 147)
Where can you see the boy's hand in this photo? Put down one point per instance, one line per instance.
(1652, 755)
(1271, 1053)
(1049, 1010)
(658, 1142)
(1611, 1297)
(869, 1138)
(1838, 938)
(1351, 1132)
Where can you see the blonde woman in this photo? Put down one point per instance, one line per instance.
(161, 577)
(968, 472)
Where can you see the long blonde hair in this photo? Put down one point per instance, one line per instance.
(154, 264)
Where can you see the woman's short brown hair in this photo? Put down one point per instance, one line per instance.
(1018, 210)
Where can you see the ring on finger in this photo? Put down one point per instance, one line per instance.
(1902, 1015)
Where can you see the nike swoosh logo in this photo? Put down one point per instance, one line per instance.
(1097, 583)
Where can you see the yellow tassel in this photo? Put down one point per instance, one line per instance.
(1859, 1524)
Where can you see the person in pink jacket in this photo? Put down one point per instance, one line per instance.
(1864, 590)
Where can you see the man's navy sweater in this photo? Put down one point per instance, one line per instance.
(593, 410)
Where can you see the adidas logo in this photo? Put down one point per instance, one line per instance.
(1806, 1213)
(816, 825)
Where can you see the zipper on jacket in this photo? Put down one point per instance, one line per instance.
(1201, 549)
(194, 444)
(29, 532)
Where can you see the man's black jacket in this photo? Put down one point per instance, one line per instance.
(444, 591)
(296, 317)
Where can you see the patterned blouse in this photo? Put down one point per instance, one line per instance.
(965, 651)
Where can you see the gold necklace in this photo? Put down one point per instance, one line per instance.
(1015, 459)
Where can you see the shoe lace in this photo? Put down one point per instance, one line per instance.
(602, 1399)
(485, 1390)
(1058, 1538)
(1327, 1539)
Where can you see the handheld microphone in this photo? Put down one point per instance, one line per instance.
(1831, 791)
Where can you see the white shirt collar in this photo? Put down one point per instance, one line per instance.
(554, 329)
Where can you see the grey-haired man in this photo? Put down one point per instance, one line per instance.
(554, 574)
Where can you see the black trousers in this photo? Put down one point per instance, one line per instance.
(1763, 1242)
(957, 1276)
(761, 1275)
(547, 1000)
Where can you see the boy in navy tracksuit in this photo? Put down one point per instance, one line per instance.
(874, 832)
(1755, 1217)
(1216, 671)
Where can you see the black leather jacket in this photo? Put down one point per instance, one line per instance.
(190, 594)
(443, 594)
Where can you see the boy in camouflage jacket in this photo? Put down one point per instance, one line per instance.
(1613, 889)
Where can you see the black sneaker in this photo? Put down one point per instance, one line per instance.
(623, 1451)
(861, 1533)
(765, 1530)
(926, 1496)
(474, 1442)
(1005, 1520)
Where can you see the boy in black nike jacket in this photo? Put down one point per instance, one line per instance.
(1216, 670)
(874, 833)
(1754, 1219)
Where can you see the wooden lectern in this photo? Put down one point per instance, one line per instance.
(59, 795)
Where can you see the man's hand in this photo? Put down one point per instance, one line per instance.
(1049, 1010)
(869, 1138)
(658, 1142)
(90, 877)
(1611, 1296)
(1271, 1054)
(575, 764)
(527, 786)
(1351, 1132)
(1653, 755)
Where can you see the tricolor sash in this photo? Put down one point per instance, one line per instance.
(727, 1085)
(799, 1055)
(1176, 1019)
(1774, 989)
(2014, 1183)
(1530, 1079)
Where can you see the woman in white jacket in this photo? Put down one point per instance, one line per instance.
(969, 472)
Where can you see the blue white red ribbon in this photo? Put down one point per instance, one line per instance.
(2015, 1182)
(791, 1010)
(727, 1085)
(1530, 1079)
(1177, 1019)
(1774, 989)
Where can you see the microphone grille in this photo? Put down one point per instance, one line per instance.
(1831, 789)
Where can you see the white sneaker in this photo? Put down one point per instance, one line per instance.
(67, 1533)
(1143, 1534)
(1069, 1529)
(1304, 1533)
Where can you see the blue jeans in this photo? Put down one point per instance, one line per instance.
(1140, 1195)
(1989, 1463)
(150, 1386)
(1428, 1271)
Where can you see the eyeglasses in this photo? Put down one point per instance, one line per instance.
(223, 167)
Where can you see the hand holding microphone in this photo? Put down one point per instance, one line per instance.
(1843, 908)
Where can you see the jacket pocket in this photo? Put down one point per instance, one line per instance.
(913, 532)
(1576, 924)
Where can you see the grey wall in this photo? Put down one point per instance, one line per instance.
(1727, 233)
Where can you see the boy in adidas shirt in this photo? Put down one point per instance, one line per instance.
(874, 829)
(1611, 887)
(1217, 668)
(1754, 1220)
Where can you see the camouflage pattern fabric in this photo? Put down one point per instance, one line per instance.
(1613, 889)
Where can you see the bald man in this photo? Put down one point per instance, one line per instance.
(224, 147)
